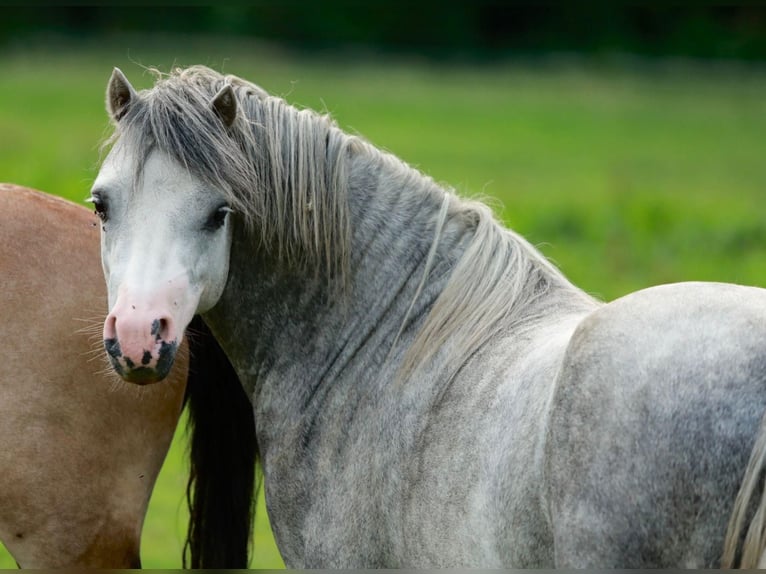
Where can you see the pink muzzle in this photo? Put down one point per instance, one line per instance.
(141, 339)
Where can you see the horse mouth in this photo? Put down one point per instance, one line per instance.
(149, 370)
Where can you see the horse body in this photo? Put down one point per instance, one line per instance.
(423, 382)
(656, 411)
(81, 450)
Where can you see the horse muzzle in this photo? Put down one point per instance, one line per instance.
(141, 341)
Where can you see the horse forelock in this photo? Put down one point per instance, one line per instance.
(281, 169)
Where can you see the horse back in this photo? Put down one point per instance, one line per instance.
(655, 413)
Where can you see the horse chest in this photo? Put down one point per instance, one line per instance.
(417, 487)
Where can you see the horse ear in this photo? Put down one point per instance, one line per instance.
(225, 105)
(119, 94)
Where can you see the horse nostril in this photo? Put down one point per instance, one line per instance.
(110, 327)
(162, 329)
(111, 344)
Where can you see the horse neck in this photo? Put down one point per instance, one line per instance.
(295, 339)
(289, 333)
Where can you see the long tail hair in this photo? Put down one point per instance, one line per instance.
(223, 454)
(752, 553)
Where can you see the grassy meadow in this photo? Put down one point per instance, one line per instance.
(625, 173)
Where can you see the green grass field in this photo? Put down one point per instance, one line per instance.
(625, 174)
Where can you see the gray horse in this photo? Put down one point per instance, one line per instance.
(428, 390)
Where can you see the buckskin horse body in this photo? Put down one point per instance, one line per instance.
(81, 449)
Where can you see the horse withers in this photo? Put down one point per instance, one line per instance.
(80, 450)
(427, 389)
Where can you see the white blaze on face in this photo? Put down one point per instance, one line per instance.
(165, 251)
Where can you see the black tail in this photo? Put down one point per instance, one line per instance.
(223, 453)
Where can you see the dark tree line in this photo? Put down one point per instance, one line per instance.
(471, 28)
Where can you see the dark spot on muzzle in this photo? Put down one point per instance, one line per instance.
(112, 347)
(117, 366)
(127, 369)
(167, 356)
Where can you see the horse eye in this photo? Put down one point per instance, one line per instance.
(217, 218)
(99, 207)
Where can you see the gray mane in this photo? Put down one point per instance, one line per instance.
(500, 281)
(285, 172)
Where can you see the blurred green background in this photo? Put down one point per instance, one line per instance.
(626, 142)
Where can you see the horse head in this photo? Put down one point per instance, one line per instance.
(165, 236)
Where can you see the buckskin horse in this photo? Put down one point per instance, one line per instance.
(81, 449)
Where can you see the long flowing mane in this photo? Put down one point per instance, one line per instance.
(285, 171)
